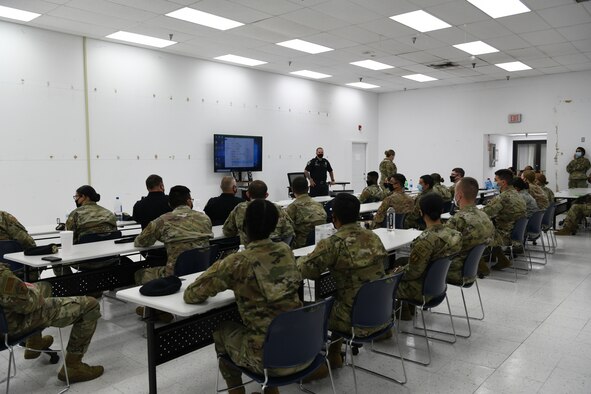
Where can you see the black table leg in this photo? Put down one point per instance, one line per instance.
(149, 316)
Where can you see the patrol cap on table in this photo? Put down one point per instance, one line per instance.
(161, 286)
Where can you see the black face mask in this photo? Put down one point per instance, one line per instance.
(320, 156)
(389, 186)
(369, 183)
(452, 178)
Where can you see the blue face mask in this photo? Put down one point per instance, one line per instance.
(420, 187)
(496, 186)
(578, 154)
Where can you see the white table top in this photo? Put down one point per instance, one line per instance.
(369, 207)
(447, 216)
(217, 232)
(320, 199)
(572, 193)
(391, 240)
(49, 229)
(174, 303)
(81, 252)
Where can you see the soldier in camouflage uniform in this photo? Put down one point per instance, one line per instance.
(180, 230)
(399, 200)
(542, 182)
(373, 192)
(455, 176)
(577, 169)
(12, 229)
(353, 256)
(435, 242)
(257, 190)
(414, 219)
(265, 281)
(531, 206)
(438, 188)
(580, 209)
(504, 210)
(304, 212)
(536, 191)
(387, 167)
(474, 225)
(88, 217)
(30, 306)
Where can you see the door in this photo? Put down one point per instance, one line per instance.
(358, 170)
(529, 153)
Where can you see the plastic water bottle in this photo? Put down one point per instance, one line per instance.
(390, 219)
(410, 184)
(118, 209)
(241, 248)
(406, 184)
(488, 184)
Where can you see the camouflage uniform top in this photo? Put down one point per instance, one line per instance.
(400, 201)
(372, 193)
(179, 230)
(305, 214)
(538, 194)
(265, 281)
(504, 210)
(90, 218)
(531, 206)
(387, 169)
(577, 168)
(443, 191)
(433, 243)
(11, 228)
(413, 219)
(549, 194)
(353, 256)
(233, 225)
(452, 189)
(18, 298)
(476, 228)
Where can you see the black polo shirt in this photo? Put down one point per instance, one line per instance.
(218, 208)
(150, 207)
(318, 168)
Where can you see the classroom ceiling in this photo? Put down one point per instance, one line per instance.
(555, 37)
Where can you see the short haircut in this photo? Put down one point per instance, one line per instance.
(227, 183)
(399, 178)
(436, 178)
(520, 184)
(541, 178)
(373, 175)
(431, 205)
(345, 208)
(260, 219)
(178, 196)
(152, 181)
(581, 149)
(299, 185)
(469, 187)
(512, 170)
(529, 175)
(390, 152)
(88, 191)
(505, 175)
(459, 171)
(257, 189)
(428, 180)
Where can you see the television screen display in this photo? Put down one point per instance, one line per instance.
(237, 153)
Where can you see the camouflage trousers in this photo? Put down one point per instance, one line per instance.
(577, 183)
(80, 312)
(145, 275)
(232, 338)
(575, 214)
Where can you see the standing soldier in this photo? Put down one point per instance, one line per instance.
(387, 167)
(304, 212)
(577, 169)
(315, 172)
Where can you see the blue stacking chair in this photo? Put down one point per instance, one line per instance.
(534, 231)
(195, 260)
(373, 307)
(11, 246)
(547, 227)
(293, 338)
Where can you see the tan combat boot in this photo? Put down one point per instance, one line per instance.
(79, 371)
(483, 268)
(39, 343)
(502, 260)
(565, 231)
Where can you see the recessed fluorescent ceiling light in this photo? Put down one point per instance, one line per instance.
(500, 8)
(362, 85)
(310, 74)
(204, 18)
(141, 39)
(421, 21)
(476, 48)
(304, 46)
(372, 65)
(420, 77)
(240, 60)
(513, 66)
(19, 15)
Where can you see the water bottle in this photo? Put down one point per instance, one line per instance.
(390, 219)
(410, 184)
(488, 184)
(118, 209)
(406, 184)
(241, 248)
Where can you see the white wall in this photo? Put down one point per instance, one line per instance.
(434, 130)
(152, 112)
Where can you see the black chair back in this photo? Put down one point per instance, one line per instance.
(97, 237)
(373, 304)
(398, 220)
(518, 233)
(447, 206)
(195, 260)
(10, 246)
(534, 224)
(434, 283)
(328, 209)
(548, 219)
(470, 267)
(311, 238)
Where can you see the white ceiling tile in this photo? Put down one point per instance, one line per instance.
(421, 57)
(71, 26)
(542, 62)
(388, 28)
(448, 53)
(287, 27)
(255, 31)
(157, 6)
(577, 32)
(307, 3)
(525, 53)
(554, 70)
(583, 45)
(543, 37)
(566, 15)
(110, 9)
(567, 60)
(541, 4)
(314, 20)
(553, 50)
(419, 68)
(387, 8)
(396, 61)
(230, 10)
(330, 40)
(393, 47)
(347, 11)
(579, 67)
(275, 7)
(451, 35)
(38, 6)
(486, 29)
(508, 42)
(422, 42)
(523, 23)
(457, 12)
(177, 25)
(357, 34)
(76, 14)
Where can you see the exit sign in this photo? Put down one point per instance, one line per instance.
(514, 118)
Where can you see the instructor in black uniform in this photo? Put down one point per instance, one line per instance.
(315, 171)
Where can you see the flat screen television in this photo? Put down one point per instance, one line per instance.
(237, 153)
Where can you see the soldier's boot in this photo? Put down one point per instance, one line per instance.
(334, 358)
(37, 342)
(566, 230)
(235, 382)
(79, 371)
(483, 268)
(502, 260)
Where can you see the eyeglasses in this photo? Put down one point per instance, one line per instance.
(75, 197)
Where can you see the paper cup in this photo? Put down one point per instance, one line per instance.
(67, 240)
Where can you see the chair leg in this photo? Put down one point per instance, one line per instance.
(64, 362)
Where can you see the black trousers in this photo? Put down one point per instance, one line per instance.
(319, 190)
